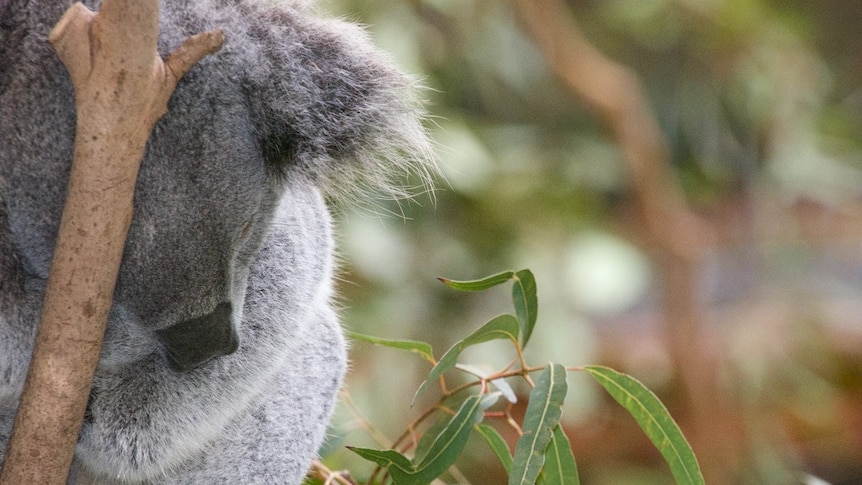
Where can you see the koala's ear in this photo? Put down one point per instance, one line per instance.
(330, 106)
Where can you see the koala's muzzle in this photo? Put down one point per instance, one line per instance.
(194, 342)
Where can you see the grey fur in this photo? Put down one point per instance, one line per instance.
(229, 215)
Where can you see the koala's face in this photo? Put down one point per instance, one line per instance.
(203, 201)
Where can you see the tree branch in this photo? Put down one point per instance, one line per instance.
(677, 234)
(122, 88)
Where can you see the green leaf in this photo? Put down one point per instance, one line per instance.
(479, 285)
(560, 467)
(503, 326)
(441, 420)
(389, 459)
(421, 348)
(497, 444)
(444, 419)
(542, 416)
(449, 443)
(526, 303)
(654, 419)
(443, 452)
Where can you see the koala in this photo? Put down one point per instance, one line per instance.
(223, 352)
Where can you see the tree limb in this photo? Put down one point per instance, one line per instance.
(122, 88)
(678, 236)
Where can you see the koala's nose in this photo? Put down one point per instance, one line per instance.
(194, 342)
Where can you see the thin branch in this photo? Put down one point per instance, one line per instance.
(364, 423)
(614, 93)
(319, 470)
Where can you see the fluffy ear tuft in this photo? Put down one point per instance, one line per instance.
(331, 107)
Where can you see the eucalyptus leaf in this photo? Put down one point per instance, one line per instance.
(422, 348)
(542, 416)
(441, 420)
(385, 458)
(503, 386)
(501, 327)
(654, 419)
(560, 467)
(479, 285)
(497, 444)
(446, 447)
(526, 303)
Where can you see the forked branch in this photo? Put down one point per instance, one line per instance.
(122, 88)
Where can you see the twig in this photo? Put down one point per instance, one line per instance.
(319, 470)
(364, 423)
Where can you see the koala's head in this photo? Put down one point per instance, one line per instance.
(203, 203)
(290, 101)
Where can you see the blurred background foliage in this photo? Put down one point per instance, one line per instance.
(759, 103)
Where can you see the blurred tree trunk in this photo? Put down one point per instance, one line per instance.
(678, 236)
